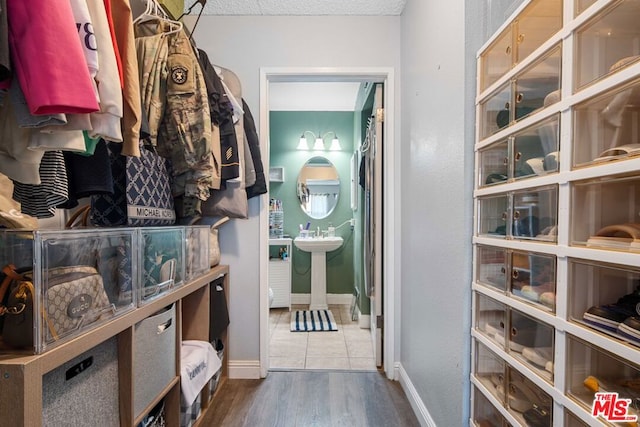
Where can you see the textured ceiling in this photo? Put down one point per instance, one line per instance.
(298, 7)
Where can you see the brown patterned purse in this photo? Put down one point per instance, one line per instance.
(74, 298)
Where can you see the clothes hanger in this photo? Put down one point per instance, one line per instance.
(154, 11)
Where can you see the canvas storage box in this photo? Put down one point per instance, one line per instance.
(154, 357)
(84, 391)
(196, 250)
(198, 364)
(161, 261)
(65, 282)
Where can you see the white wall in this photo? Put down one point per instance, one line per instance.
(439, 43)
(437, 163)
(244, 44)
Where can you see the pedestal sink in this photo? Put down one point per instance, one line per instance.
(318, 248)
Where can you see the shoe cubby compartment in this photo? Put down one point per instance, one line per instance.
(491, 318)
(533, 278)
(527, 402)
(538, 21)
(484, 413)
(162, 261)
(63, 283)
(607, 127)
(531, 342)
(493, 215)
(605, 214)
(530, 214)
(492, 266)
(197, 260)
(528, 276)
(591, 369)
(490, 370)
(570, 420)
(529, 153)
(494, 164)
(605, 297)
(612, 37)
(534, 88)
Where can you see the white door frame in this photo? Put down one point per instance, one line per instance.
(391, 184)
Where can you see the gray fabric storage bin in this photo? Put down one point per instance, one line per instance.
(154, 357)
(84, 391)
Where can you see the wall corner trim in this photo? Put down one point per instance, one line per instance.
(421, 411)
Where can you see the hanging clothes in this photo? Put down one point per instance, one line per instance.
(260, 186)
(222, 116)
(105, 123)
(132, 108)
(233, 89)
(41, 200)
(175, 96)
(63, 85)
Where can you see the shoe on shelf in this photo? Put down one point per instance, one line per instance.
(538, 416)
(526, 332)
(610, 316)
(522, 395)
(540, 356)
(627, 388)
(630, 328)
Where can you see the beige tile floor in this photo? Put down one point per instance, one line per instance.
(348, 348)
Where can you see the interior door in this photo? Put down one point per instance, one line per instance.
(373, 223)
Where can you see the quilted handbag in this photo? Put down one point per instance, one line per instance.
(74, 298)
(142, 191)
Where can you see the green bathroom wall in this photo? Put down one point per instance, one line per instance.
(285, 130)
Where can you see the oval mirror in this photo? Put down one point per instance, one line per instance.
(318, 187)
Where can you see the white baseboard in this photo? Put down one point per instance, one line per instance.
(332, 299)
(244, 369)
(423, 415)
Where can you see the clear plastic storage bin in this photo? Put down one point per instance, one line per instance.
(197, 250)
(529, 153)
(533, 278)
(59, 284)
(532, 342)
(536, 87)
(606, 127)
(613, 37)
(491, 318)
(490, 370)
(540, 20)
(527, 402)
(484, 413)
(605, 297)
(605, 214)
(591, 369)
(491, 265)
(162, 261)
(530, 214)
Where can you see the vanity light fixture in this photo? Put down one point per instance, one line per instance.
(318, 144)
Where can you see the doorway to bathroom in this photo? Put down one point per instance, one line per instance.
(319, 191)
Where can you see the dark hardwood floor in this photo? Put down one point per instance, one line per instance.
(312, 398)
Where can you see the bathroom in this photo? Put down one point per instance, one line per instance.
(338, 202)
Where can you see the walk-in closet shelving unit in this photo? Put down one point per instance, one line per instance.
(21, 377)
(557, 203)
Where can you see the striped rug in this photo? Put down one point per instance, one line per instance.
(313, 321)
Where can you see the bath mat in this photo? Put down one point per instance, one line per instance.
(313, 321)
